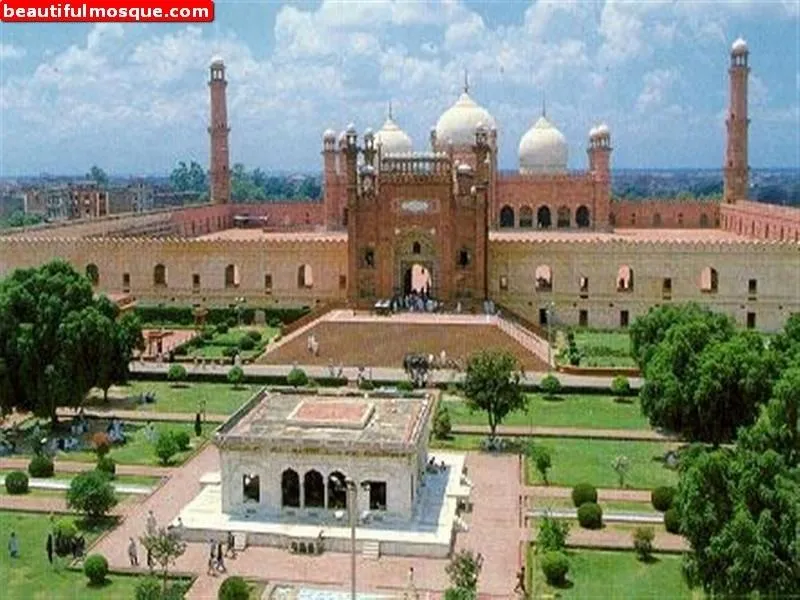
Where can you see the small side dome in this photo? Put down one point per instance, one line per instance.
(392, 139)
(329, 135)
(603, 130)
(351, 128)
(368, 133)
(739, 47)
(543, 149)
(593, 133)
(217, 61)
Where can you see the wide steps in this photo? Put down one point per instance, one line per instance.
(371, 550)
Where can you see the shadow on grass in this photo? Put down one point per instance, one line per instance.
(649, 560)
(563, 585)
(99, 586)
(554, 398)
(624, 399)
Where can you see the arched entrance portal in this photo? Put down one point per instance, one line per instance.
(417, 280)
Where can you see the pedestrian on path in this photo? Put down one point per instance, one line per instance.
(13, 545)
(49, 548)
(212, 559)
(231, 545)
(151, 523)
(133, 554)
(220, 559)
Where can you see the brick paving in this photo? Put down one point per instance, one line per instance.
(603, 494)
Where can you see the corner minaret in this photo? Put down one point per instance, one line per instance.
(219, 164)
(736, 167)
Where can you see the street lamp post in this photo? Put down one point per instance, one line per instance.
(352, 498)
(550, 307)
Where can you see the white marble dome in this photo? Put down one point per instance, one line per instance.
(217, 60)
(543, 149)
(392, 139)
(739, 47)
(459, 122)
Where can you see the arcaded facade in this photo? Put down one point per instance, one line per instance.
(541, 239)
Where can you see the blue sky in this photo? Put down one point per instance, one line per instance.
(133, 98)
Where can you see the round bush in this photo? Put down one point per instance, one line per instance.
(672, 522)
(222, 328)
(64, 534)
(297, 377)
(41, 466)
(256, 335)
(231, 322)
(247, 343)
(662, 498)
(183, 439)
(148, 588)
(555, 567)
(234, 588)
(583, 493)
(230, 351)
(95, 567)
(17, 482)
(590, 515)
(106, 464)
(208, 334)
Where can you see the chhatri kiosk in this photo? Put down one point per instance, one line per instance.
(300, 468)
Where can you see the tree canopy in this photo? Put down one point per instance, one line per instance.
(97, 175)
(492, 384)
(191, 178)
(57, 340)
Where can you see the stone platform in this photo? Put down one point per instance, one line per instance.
(430, 532)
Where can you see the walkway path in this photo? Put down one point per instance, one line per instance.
(64, 466)
(139, 415)
(610, 517)
(642, 435)
(603, 494)
(56, 485)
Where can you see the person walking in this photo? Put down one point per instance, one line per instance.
(151, 524)
(49, 548)
(220, 559)
(212, 559)
(13, 545)
(231, 545)
(133, 554)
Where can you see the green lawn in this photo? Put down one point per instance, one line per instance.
(603, 348)
(219, 398)
(595, 574)
(30, 576)
(599, 412)
(215, 347)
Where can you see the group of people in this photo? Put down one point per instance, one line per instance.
(116, 431)
(337, 372)
(415, 302)
(312, 345)
(216, 558)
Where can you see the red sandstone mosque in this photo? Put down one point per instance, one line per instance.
(542, 241)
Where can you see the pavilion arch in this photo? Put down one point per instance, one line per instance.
(160, 276)
(612, 219)
(526, 217)
(290, 488)
(93, 274)
(544, 278)
(657, 220)
(305, 277)
(563, 217)
(544, 219)
(337, 491)
(704, 222)
(583, 218)
(313, 489)
(232, 276)
(506, 217)
(625, 279)
(709, 280)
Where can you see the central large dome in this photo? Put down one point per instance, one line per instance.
(543, 149)
(459, 122)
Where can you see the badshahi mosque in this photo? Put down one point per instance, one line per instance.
(542, 242)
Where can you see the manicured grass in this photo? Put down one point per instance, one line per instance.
(215, 347)
(597, 574)
(577, 461)
(30, 576)
(568, 410)
(219, 398)
(603, 348)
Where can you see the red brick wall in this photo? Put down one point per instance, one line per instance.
(285, 215)
(762, 221)
(666, 214)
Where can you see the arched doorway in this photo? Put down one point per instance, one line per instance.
(251, 488)
(337, 491)
(417, 280)
(290, 488)
(314, 490)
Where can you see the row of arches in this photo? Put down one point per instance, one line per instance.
(544, 217)
(755, 228)
(316, 492)
(656, 220)
(543, 276)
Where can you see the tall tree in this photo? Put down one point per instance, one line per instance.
(97, 175)
(492, 384)
(165, 547)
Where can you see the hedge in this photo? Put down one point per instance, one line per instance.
(184, 315)
(590, 515)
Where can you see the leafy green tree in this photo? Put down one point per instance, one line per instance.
(550, 386)
(91, 493)
(492, 384)
(235, 376)
(234, 588)
(165, 547)
(621, 466)
(541, 458)
(97, 175)
(643, 543)
(177, 373)
(191, 178)
(552, 535)
(166, 447)
(464, 569)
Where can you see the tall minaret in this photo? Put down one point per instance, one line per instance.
(219, 164)
(736, 167)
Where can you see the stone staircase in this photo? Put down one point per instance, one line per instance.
(371, 550)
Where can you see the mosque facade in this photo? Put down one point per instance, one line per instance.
(543, 242)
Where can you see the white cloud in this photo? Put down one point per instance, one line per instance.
(657, 86)
(10, 52)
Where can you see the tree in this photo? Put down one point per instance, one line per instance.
(552, 535)
(620, 386)
(464, 570)
(166, 447)
(541, 459)
(621, 466)
(492, 384)
(97, 175)
(176, 373)
(234, 588)
(297, 377)
(91, 493)
(550, 386)
(236, 376)
(165, 547)
(190, 178)
(643, 543)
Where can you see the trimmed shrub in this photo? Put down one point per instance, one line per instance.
(235, 376)
(176, 373)
(231, 322)
(41, 466)
(441, 424)
(366, 385)
(182, 350)
(662, 498)
(64, 534)
(620, 386)
(148, 588)
(590, 515)
(166, 447)
(405, 386)
(297, 377)
(583, 493)
(552, 536)
(234, 588)
(91, 493)
(672, 521)
(207, 335)
(643, 542)
(230, 351)
(106, 464)
(183, 439)
(95, 567)
(550, 386)
(555, 567)
(247, 343)
(17, 482)
(222, 328)
(255, 335)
